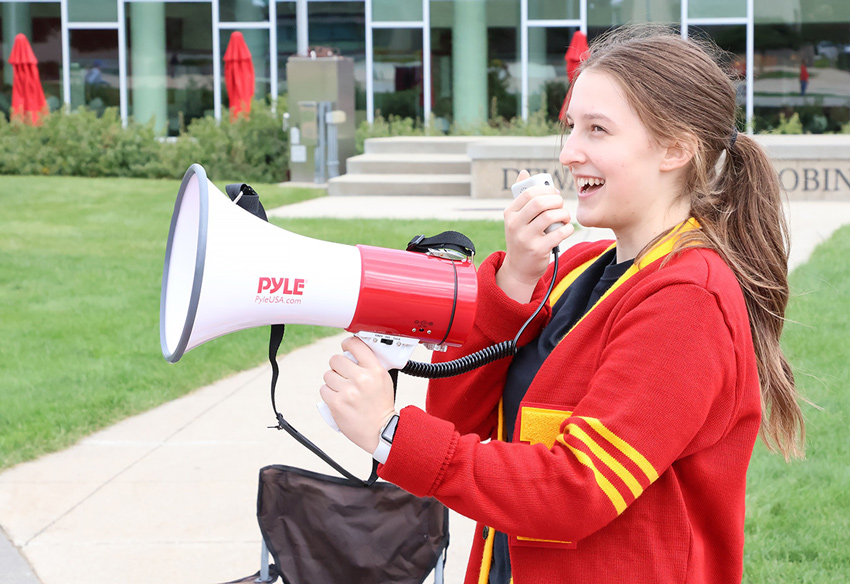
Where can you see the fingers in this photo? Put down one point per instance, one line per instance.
(524, 227)
(542, 211)
(361, 352)
(528, 246)
(327, 393)
(358, 394)
(333, 381)
(534, 200)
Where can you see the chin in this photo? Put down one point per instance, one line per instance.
(587, 219)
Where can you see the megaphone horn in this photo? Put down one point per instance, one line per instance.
(227, 270)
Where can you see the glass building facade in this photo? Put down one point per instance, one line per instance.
(459, 61)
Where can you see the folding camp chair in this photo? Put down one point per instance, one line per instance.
(325, 530)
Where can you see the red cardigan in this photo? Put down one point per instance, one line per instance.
(630, 455)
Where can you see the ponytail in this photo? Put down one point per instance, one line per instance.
(680, 92)
(743, 220)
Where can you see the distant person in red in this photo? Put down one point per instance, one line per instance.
(804, 78)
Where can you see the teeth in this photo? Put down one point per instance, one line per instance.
(588, 181)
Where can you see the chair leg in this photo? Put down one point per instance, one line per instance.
(264, 564)
(438, 569)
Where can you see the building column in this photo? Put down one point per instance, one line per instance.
(16, 19)
(149, 63)
(536, 60)
(469, 62)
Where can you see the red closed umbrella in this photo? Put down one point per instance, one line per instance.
(238, 75)
(28, 100)
(576, 53)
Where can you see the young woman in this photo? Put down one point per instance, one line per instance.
(614, 446)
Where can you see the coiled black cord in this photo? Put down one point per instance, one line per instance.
(480, 358)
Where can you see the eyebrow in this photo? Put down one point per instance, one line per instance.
(592, 117)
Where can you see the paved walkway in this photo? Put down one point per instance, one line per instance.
(170, 495)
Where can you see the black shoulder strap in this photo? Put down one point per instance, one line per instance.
(274, 344)
(248, 199)
(447, 239)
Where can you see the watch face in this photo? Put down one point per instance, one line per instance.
(389, 430)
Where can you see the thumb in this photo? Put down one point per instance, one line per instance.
(523, 174)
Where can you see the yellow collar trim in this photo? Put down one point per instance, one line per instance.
(567, 280)
(660, 250)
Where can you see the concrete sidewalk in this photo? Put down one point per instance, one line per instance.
(170, 495)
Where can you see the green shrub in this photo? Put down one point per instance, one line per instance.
(83, 143)
(77, 144)
(537, 124)
(791, 125)
(251, 149)
(391, 126)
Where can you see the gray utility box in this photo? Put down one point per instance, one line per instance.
(321, 116)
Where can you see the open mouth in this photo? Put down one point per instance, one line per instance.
(587, 185)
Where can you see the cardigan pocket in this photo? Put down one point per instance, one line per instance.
(541, 424)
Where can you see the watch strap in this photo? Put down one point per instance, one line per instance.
(382, 452)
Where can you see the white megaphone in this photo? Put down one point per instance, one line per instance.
(227, 270)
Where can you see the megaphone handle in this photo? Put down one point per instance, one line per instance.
(393, 355)
(323, 408)
(325, 412)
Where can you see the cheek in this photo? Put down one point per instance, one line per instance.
(628, 169)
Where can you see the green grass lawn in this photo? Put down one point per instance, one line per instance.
(80, 280)
(798, 514)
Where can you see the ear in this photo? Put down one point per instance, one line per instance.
(679, 154)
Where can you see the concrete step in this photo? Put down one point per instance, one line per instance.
(409, 163)
(447, 185)
(419, 144)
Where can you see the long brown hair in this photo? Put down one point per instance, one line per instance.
(682, 94)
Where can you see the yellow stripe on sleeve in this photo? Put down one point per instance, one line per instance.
(623, 447)
(607, 459)
(604, 484)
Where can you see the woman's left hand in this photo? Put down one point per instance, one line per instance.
(359, 395)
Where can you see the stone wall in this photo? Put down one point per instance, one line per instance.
(811, 167)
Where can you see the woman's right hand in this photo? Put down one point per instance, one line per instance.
(528, 246)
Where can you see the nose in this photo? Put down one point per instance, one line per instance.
(571, 153)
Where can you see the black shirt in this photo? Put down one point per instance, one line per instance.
(574, 303)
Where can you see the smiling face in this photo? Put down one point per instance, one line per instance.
(625, 180)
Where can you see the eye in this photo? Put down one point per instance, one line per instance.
(597, 128)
